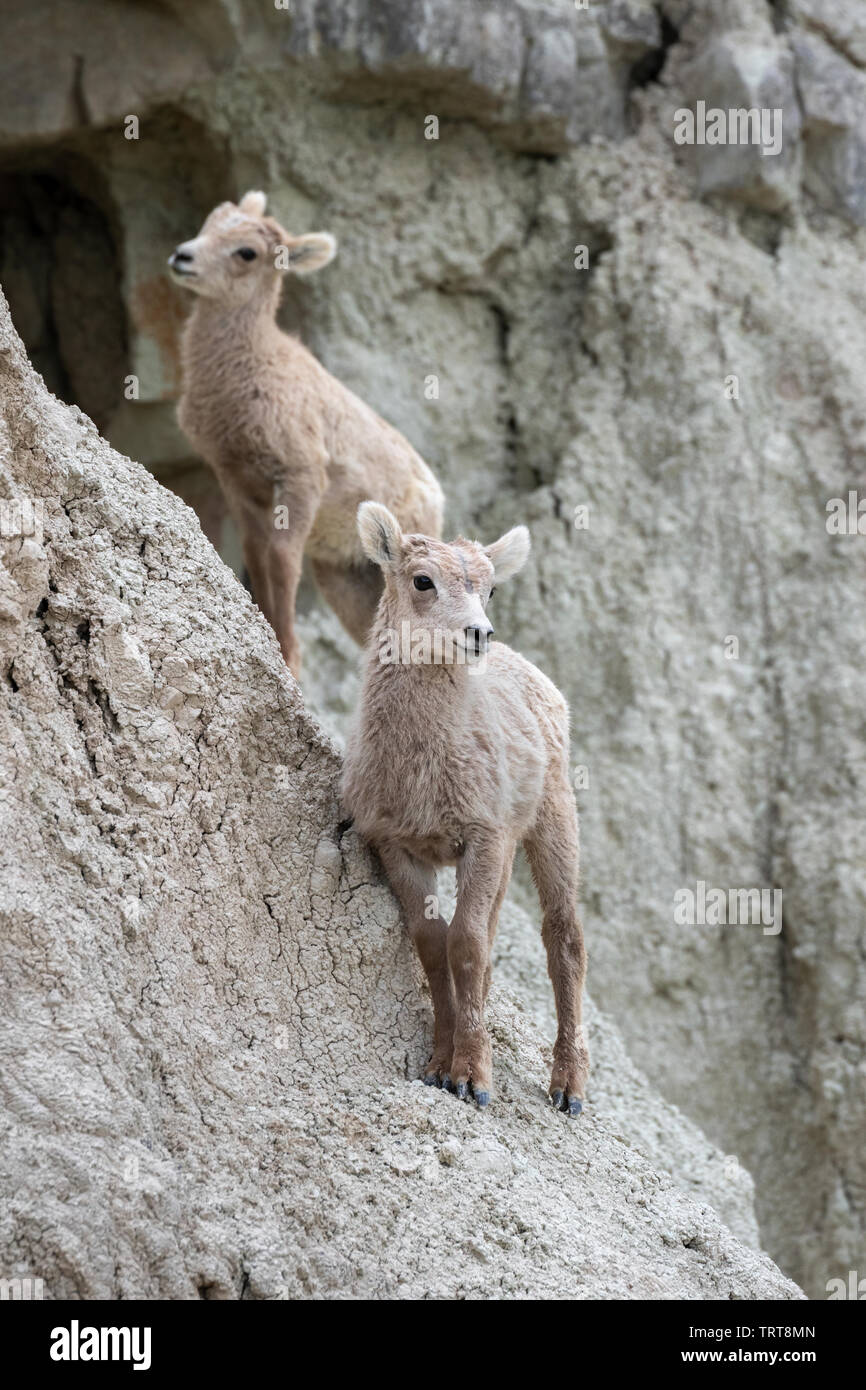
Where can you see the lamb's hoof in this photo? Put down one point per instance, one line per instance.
(446, 1083)
(462, 1090)
(571, 1106)
(482, 1099)
(432, 1079)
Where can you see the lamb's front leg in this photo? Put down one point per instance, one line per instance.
(284, 559)
(414, 884)
(479, 875)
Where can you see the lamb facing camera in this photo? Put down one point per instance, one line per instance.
(455, 760)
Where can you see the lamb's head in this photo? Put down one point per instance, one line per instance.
(440, 591)
(240, 253)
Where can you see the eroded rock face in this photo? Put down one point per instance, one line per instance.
(833, 95)
(697, 387)
(210, 1012)
(756, 157)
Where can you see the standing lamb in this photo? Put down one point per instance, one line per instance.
(460, 751)
(294, 450)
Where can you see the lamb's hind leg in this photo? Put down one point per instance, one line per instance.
(552, 849)
(414, 884)
(284, 558)
(254, 538)
(353, 591)
(479, 881)
(493, 920)
(273, 558)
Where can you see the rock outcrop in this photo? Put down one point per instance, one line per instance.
(575, 320)
(211, 1016)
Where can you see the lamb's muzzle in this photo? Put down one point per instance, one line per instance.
(478, 638)
(180, 262)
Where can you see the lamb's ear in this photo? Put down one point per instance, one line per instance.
(381, 537)
(253, 204)
(310, 252)
(510, 553)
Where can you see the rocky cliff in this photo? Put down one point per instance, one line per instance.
(577, 320)
(211, 1016)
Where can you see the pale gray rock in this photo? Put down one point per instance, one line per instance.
(211, 1016)
(608, 388)
(757, 164)
(841, 22)
(833, 97)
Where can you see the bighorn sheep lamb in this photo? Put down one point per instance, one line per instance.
(460, 750)
(294, 450)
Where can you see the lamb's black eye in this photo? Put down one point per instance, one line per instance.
(423, 581)
(492, 592)
(246, 253)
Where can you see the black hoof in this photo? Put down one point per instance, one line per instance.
(432, 1078)
(557, 1099)
(574, 1105)
(446, 1083)
(462, 1090)
(482, 1098)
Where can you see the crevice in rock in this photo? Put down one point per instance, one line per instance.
(60, 271)
(590, 352)
(109, 718)
(778, 14)
(79, 99)
(764, 230)
(650, 67)
(511, 428)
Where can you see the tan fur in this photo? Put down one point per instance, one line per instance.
(456, 762)
(280, 431)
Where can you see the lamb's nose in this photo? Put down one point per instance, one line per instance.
(179, 257)
(478, 637)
